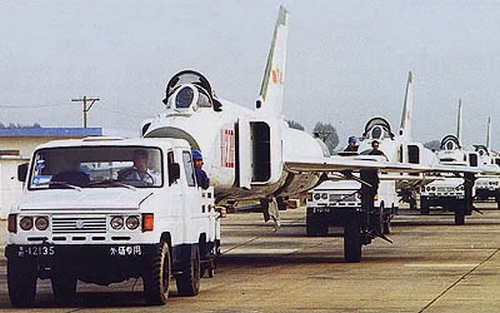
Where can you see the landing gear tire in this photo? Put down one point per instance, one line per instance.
(63, 283)
(188, 282)
(352, 241)
(157, 276)
(21, 280)
(424, 206)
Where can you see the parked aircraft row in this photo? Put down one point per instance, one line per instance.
(254, 154)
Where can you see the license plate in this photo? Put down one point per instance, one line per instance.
(322, 210)
(36, 251)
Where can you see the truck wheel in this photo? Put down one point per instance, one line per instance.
(63, 284)
(497, 200)
(459, 218)
(315, 226)
(424, 206)
(310, 224)
(156, 277)
(188, 282)
(460, 213)
(21, 280)
(352, 241)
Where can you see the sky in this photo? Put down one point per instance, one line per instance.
(347, 60)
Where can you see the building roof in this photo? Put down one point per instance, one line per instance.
(51, 132)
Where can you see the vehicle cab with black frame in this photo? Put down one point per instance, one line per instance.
(104, 210)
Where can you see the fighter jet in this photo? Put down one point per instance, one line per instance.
(456, 193)
(253, 153)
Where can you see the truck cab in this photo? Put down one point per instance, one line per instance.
(451, 193)
(89, 212)
(338, 203)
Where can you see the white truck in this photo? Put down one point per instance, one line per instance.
(79, 219)
(451, 193)
(338, 203)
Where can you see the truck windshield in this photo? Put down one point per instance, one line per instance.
(96, 167)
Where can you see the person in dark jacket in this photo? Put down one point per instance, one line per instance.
(352, 144)
(201, 175)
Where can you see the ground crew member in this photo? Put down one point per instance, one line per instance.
(352, 144)
(201, 176)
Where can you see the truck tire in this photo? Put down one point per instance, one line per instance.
(460, 212)
(310, 225)
(63, 283)
(352, 241)
(188, 282)
(424, 206)
(497, 200)
(315, 226)
(459, 218)
(21, 280)
(156, 277)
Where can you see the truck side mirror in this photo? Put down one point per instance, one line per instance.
(174, 172)
(22, 172)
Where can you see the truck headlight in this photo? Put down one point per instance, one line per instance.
(41, 223)
(132, 222)
(324, 196)
(317, 196)
(117, 222)
(26, 223)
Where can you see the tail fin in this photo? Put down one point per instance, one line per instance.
(459, 120)
(405, 128)
(271, 90)
(488, 134)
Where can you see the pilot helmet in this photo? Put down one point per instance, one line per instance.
(196, 155)
(353, 139)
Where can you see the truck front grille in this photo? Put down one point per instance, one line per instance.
(343, 197)
(65, 224)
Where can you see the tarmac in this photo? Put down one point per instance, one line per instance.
(432, 266)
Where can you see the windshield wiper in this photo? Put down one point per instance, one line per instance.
(110, 182)
(117, 183)
(65, 184)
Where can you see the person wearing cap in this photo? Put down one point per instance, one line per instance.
(352, 144)
(201, 176)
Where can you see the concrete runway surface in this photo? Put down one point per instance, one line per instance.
(433, 266)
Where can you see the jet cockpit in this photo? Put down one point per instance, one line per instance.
(451, 150)
(378, 128)
(188, 91)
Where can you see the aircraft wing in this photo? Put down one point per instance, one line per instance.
(367, 162)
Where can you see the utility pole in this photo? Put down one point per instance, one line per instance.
(86, 107)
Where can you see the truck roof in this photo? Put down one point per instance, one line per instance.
(116, 141)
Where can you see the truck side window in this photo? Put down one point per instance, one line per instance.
(170, 160)
(188, 168)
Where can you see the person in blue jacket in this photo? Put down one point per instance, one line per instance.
(201, 175)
